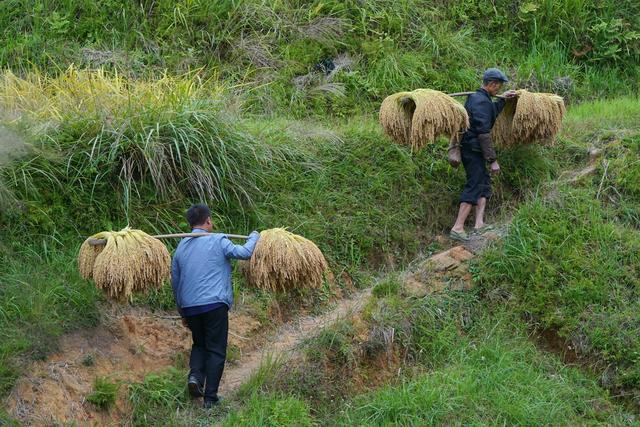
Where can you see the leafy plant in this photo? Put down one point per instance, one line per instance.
(104, 393)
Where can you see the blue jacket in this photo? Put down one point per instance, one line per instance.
(482, 116)
(201, 268)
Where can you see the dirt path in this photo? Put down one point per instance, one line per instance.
(287, 338)
(133, 342)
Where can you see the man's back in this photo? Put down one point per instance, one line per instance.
(201, 269)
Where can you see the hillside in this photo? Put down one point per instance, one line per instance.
(124, 113)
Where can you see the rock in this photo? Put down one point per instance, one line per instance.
(450, 259)
(414, 288)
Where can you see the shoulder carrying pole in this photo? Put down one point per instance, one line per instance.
(97, 242)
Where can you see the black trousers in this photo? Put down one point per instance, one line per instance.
(478, 179)
(209, 350)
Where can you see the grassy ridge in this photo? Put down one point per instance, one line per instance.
(279, 51)
(571, 268)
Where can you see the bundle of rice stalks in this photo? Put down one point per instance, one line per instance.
(396, 114)
(419, 117)
(131, 261)
(283, 261)
(528, 118)
(436, 114)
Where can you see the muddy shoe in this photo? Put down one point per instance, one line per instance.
(459, 236)
(482, 229)
(195, 388)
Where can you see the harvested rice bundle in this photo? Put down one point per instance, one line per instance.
(88, 253)
(436, 114)
(282, 261)
(538, 116)
(502, 132)
(396, 113)
(130, 261)
(528, 118)
(419, 117)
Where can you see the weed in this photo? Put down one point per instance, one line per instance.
(104, 393)
(155, 398)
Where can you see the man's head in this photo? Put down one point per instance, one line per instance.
(199, 216)
(492, 81)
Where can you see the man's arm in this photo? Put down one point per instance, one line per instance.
(240, 251)
(486, 144)
(499, 105)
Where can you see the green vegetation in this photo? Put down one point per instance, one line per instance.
(334, 57)
(272, 411)
(104, 393)
(266, 111)
(462, 365)
(154, 399)
(569, 264)
(115, 153)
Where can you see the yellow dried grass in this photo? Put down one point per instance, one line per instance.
(420, 117)
(529, 118)
(131, 261)
(283, 261)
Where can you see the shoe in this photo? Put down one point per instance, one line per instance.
(459, 236)
(208, 404)
(482, 229)
(195, 387)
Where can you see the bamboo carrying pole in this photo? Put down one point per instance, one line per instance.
(470, 93)
(97, 242)
(404, 100)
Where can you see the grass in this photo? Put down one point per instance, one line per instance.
(263, 46)
(493, 378)
(104, 393)
(156, 398)
(462, 365)
(40, 298)
(570, 264)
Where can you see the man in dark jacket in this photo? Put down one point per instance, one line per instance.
(476, 149)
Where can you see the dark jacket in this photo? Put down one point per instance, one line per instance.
(482, 116)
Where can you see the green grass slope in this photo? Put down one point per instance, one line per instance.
(334, 57)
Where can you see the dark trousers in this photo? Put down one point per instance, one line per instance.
(209, 351)
(478, 179)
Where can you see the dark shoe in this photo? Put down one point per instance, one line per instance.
(195, 388)
(208, 404)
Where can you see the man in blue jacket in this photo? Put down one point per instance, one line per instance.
(476, 149)
(201, 281)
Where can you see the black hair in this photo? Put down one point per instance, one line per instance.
(197, 214)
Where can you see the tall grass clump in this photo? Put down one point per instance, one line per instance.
(123, 145)
(104, 393)
(161, 136)
(273, 411)
(155, 399)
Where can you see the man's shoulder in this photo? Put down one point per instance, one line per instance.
(479, 97)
